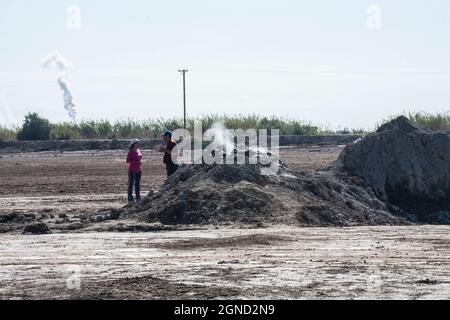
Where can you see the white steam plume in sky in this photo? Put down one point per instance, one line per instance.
(56, 61)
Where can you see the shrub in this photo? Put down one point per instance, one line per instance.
(34, 128)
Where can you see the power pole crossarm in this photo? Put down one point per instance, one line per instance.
(183, 72)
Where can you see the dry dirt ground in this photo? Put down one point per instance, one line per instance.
(272, 263)
(411, 262)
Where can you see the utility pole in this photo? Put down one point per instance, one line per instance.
(183, 71)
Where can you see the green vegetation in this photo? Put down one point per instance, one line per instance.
(64, 131)
(38, 128)
(151, 128)
(432, 121)
(7, 133)
(285, 125)
(34, 128)
(426, 120)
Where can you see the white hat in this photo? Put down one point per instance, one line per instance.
(134, 141)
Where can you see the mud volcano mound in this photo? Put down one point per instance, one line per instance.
(406, 166)
(399, 174)
(239, 194)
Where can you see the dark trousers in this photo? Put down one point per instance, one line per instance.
(171, 168)
(134, 178)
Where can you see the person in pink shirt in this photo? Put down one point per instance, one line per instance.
(134, 160)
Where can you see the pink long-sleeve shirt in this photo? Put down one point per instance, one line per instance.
(134, 159)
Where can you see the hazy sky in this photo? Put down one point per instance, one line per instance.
(314, 60)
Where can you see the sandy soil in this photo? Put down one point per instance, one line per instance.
(282, 262)
(275, 262)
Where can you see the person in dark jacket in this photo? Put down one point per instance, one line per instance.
(171, 167)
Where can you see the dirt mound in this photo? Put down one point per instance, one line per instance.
(203, 194)
(36, 228)
(406, 166)
(397, 174)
